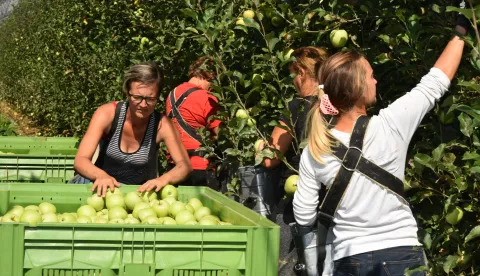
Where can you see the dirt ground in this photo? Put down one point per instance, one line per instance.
(23, 125)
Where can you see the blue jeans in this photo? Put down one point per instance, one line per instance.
(385, 262)
(78, 179)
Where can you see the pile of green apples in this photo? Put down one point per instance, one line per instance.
(131, 208)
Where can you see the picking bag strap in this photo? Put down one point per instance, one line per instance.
(175, 113)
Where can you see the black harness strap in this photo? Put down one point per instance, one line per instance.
(175, 113)
(352, 161)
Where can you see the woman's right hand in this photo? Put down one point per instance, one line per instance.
(103, 183)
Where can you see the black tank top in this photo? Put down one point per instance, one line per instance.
(130, 168)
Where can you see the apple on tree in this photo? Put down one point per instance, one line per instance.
(291, 185)
(248, 14)
(338, 38)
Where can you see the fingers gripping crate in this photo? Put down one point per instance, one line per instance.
(36, 169)
(249, 247)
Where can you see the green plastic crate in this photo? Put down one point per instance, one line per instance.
(250, 247)
(36, 168)
(39, 145)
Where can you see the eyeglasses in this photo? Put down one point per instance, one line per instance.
(138, 99)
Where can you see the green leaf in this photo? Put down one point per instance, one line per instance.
(475, 169)
(470, 155)
(465, 108)
(438, 152)
(474, 233)
(450, 263)
(466, 12)
(424, 160)
(466, 124)
(436, 8)
(189, 12)
(412, 271)
(272, 42)
(179, 43)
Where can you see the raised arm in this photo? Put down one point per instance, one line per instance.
(406, 113)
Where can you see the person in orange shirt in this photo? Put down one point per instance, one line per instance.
(190, 106)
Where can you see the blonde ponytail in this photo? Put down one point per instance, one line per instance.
(318, 134)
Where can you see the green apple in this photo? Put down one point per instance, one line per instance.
(212, 217)
(277, 21)
(195, 203)
(138, 207)
(102, 212)
(184, 216)
(207, 221)
(47, 207)
(115, 201)
(291, 185)
(455, 216)
(116, 221)
(169, 221)
(49, 217)
(201, 212)
(17, 210)
(116, 191)
(161, 208)
(170, 200)
(241, 114)
(11, 217)
(132, 220)
(240, 21)
(32, 217)
(151, 220)
(96, 202)
(257, 79)
(175, 208)
(249, 14)
(191, 222)
(259, 145)
(251, 122)
(101, 220)
(154, 202)
(338, 38)
(145, 213)
(86, 211)
(117, 212)
(84, 219)
(190, 208)
(149, 196)
(67, 218)
(34, 208)
(131, 199)
(225, 223)
(169, 191)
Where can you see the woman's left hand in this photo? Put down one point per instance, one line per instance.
(157, 184)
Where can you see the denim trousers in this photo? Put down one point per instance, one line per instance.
(386, 262)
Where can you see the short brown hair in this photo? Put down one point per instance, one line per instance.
(146, 73)
(309, 59)
(202, 68)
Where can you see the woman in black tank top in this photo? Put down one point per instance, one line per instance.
(129, 133)
(308, 59)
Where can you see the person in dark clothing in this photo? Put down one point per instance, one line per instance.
(191, 106)
(130, 133)
(288, 142)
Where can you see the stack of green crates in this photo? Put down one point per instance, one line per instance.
(249, 247)
(37, 159)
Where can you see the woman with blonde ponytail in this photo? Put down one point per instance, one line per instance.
(287, 142)
(372, 229)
